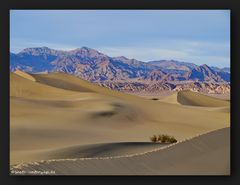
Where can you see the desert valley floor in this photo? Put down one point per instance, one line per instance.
(62, 123)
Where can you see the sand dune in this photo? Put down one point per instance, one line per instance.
(207, 102)
(208, 154)
(65, 82)
(226, 96)
(68, 82)
(190, 98)
(171, 99)
(197, 99)
(58, 112)
(91, 150)
(25, 75)
(23, 87)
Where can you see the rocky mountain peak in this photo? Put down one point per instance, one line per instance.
(90, 64)
(123, 58)
(85, 51)
(205, 66)
(38, 51)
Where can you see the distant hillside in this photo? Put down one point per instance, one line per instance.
(118, 73)
(173, 64)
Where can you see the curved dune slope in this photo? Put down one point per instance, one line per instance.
(25, 75)
(45, 116)
(69, 82)
(93, 150)
(23, 87)
(170, 99)
(207, 154)
(196, 99)
(63, 81)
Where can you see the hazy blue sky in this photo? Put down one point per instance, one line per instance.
(198, 36)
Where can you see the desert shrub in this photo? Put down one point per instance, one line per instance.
(172, 140)
(159, 137)
(154, 138)
(155, 99)
(163, 138)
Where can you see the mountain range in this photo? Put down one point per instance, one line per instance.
(121, 73)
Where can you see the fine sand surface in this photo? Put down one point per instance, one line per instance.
(166, 93)
(92, 150)
(207, 154)
(192, 98)
(54, 116)
(226, 96)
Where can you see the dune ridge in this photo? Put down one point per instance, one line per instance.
(23, 87)
(25, 75)
(69, 82)
(218, 139)
(59, 117)
(197, 99)
(190, 98)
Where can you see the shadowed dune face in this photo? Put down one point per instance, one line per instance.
(170, 98)
(93, 150)
(72, 83)
(196, 99)
(23, 87)
(68, 82)
(25, 75)
(58, 111)
(208, 154)
(190, 98)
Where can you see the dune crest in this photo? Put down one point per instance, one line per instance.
(25, 75)
(183, 158)
(59, 116)
(197, 99)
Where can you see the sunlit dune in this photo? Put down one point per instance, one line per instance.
(196, 99)
(208, 154)
(57, 116)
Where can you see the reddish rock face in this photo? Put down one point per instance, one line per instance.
(121, 73)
